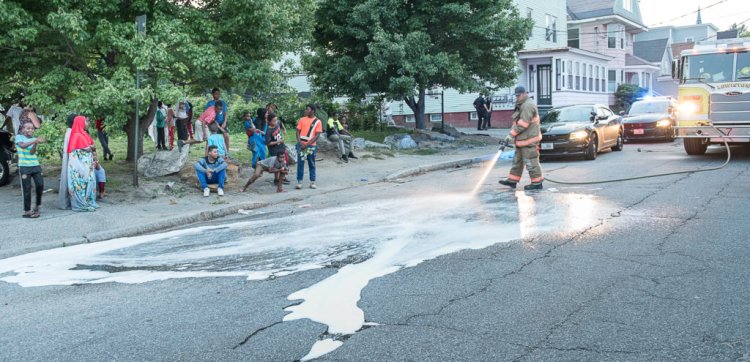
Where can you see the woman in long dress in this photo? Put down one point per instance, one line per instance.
(81, 183)
(63, 197)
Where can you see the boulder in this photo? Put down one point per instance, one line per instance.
(359, 143)
(449, 130)
(163, 163)
(401, 141)
(324, 145)
(370, 144)
(424, 135)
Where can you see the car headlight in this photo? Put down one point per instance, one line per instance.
(663, 123)
(578, 135)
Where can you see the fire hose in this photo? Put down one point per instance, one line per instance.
(503, 145)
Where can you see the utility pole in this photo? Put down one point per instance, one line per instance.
(140, 27)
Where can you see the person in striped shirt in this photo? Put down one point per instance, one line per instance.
(29, 168)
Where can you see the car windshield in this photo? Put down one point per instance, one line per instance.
(712, 68)
(648, 107)
(568, 114)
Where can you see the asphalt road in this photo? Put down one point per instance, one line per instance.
(654, 269)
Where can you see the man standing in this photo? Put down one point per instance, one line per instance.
(336, 133)
(479, 105)
(526, 134)
(221, 117)
(101, 133)
(488, 106)
(211, 170)
(309, 129)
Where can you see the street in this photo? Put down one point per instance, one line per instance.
(417, 269)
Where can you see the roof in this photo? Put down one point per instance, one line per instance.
(677, 48)
(651, 50)
(549, 51)
(631, 60)
(587, 9)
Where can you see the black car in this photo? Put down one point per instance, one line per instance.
(7, 154)
(652, 119)
(580, 130)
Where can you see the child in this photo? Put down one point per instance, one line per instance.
(29, 168)
(261, 126)
(101, 180)
(276, 165)
(161, 122)
(215, 139)
(249, 131)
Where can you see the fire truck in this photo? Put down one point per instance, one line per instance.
(714, 94)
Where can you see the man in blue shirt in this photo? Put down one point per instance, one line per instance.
(211, 170)
(221, 117)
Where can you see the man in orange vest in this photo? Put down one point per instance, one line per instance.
(526, 135)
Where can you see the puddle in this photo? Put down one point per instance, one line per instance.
(363, 241)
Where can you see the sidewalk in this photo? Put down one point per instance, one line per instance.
(493, 132)
(152, 207)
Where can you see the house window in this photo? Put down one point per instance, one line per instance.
(578, 76)
(473, 116)
(689, 40)
(596, 88)
(604, 79)
(615, 34)
(591, 78)
(436, 117)
(574, 40)
(570, 74)
(627, 5)
(409, 119)
(531, 78)
(647, 80)
(584, 76)
(529, 15)
(612, 81)
(558, 74)
(551, 28)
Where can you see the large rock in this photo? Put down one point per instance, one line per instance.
(449, 130)
(163, 163)
(370, 144)
(401, 141)
(424, 135)
(359, 143)
(324, 145)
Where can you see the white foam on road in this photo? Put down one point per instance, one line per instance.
(370, 240)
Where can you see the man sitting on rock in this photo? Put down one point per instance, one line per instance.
(337, 133)
(211, 170)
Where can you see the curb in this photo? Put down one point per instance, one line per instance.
(139, 230)
(438, 166)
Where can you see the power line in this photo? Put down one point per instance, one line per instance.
(690, 13)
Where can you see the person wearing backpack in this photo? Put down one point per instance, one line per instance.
(309, 129)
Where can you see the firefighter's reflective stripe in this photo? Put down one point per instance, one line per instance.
(523, 123)
(514, 178)
(537, 180)
(527, 142)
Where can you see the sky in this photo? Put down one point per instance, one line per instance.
(722, 15)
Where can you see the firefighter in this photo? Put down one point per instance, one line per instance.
(526, 136)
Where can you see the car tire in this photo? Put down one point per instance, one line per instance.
(592, 148)
(619, 144)
(695, 146)
(4, 172)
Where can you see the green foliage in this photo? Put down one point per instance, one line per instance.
(82, 56)
(363, 117)
(626, 95)
(402, 48)
(54, 134)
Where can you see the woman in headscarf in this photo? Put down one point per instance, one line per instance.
(81, 183)
(63, 197)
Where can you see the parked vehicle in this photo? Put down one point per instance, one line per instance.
(7, 154)
(581, 130)
(651, 119)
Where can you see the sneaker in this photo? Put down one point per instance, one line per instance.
(206, 192)
(346, 159)
(221, 192)
(352, 156)
(180, 143)
(508, 183)
(533, 187)
(298, 187)
(312, 185)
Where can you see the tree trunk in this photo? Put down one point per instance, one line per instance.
(417, 107)
(130, 130)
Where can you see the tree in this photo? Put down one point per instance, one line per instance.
(626, 95)
(741, 28)
(403, 48)
(81, 56)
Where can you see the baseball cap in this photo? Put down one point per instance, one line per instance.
(519, 90)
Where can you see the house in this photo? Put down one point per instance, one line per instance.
(608, 27)
(660, 46)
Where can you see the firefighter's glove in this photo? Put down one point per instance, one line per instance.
(508, 141)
